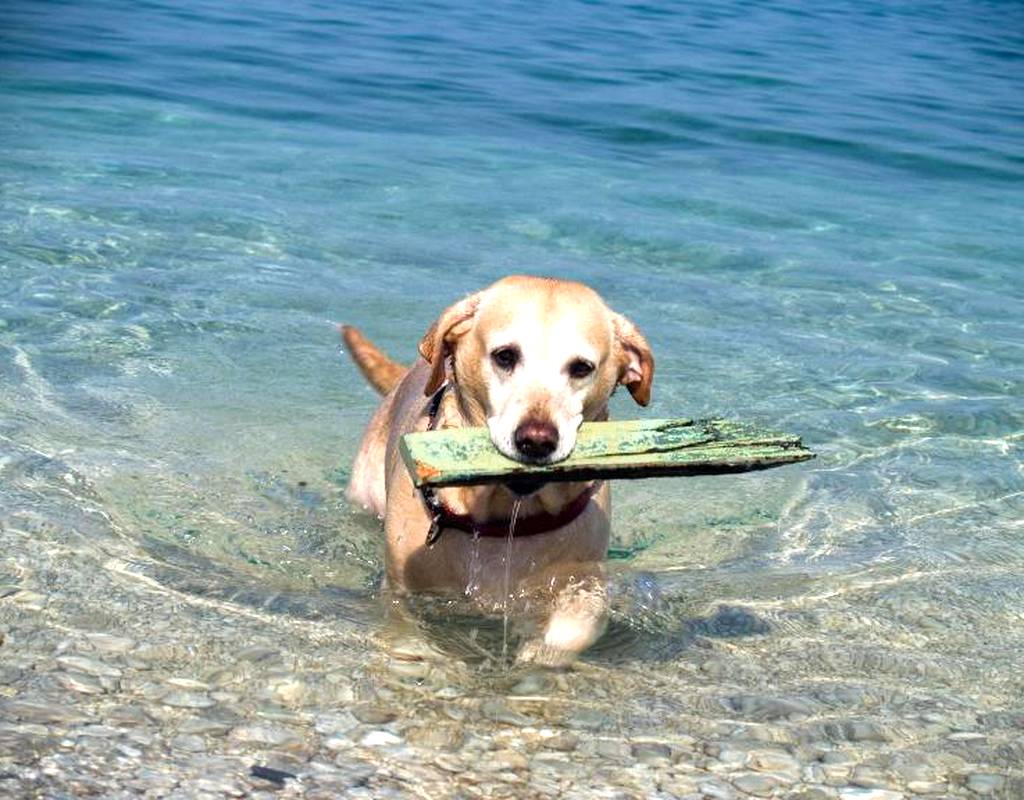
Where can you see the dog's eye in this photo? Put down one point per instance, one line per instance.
(505, 358)
(580, 368)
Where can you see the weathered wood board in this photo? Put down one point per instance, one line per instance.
(623, 450)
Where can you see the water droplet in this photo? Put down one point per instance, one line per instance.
(508, 578)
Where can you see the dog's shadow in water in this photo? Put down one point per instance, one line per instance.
(648, 624)
(665, 637)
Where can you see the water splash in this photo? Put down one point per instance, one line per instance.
(507, 589)
(473, 584)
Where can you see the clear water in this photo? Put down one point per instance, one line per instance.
(813, 210)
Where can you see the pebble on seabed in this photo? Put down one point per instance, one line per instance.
(270, 734)
(380, 738)
(109, 643)
(186, 699)
(77, 682)
(985, 783)
(871, 794)
(755, 783)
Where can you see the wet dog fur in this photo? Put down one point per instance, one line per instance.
(529, 358)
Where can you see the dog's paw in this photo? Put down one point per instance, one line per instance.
(537, 652)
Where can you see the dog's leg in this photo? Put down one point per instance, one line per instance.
(579, 614)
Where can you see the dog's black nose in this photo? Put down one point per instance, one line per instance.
(536, 439)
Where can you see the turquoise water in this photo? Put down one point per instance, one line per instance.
(813, 210)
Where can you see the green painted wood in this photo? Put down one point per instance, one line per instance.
(624, 450)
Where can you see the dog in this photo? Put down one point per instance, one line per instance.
(530, 358)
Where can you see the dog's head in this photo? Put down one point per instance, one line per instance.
(535, 357)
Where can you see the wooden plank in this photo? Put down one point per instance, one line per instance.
(623, 450)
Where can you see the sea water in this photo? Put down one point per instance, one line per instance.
(812, 210)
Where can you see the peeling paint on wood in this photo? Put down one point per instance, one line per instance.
(623, 450)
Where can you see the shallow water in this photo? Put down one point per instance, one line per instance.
(811, 209)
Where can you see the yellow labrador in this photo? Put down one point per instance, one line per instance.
(530, 358)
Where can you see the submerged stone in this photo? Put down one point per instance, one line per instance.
(90, 666)
(373, 715)
(267, 734)
(380, 739)
(985, 782)
(768, 708)
(109, 643)
(756, 784)
(77, 682)
(184, 699)
(651, 752)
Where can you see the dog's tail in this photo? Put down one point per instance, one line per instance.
(382, 373)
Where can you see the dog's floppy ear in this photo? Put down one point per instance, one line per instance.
(636, 362)
(437, 343)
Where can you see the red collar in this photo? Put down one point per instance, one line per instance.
(533, 525)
